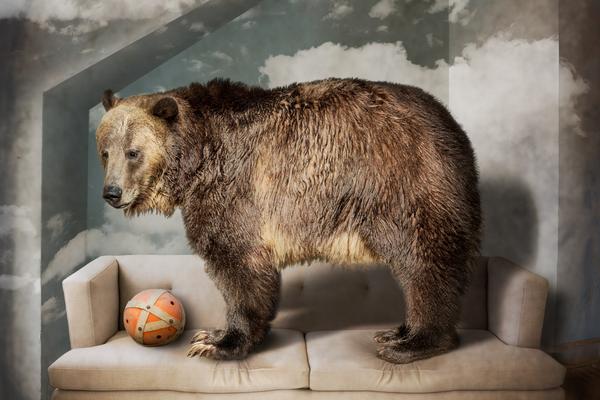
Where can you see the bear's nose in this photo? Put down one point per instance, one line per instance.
(112, 193)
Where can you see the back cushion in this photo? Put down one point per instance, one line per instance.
(326, 297)
(314, 297)
(183, 275)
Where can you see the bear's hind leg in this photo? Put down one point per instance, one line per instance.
(424, 343)
(251, 293)
(432, 293)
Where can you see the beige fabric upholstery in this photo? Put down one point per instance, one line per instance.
(314, 297)
(122, 364)
(92, 302)
(553, 394)
(346, 360)
(516, 303)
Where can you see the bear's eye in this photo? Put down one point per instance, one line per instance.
(132, 154)
(105, 155)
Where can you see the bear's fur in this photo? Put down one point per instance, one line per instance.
(344, 170)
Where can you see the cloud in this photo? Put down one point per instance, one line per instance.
(56, 224)
(161, 30)
(197, 27)
(219, 55)
(195, 65)
(82, 16)
(571, 87)
(383, 9)
(518, 78)
(382, 28)
(248, 24)
(330, 59)
(457, 10)
(432, 40)
(438, 6)
(52, 310)
(20, 238)
(15, 219)
(17, 282)
(20, 265)
(429, 38)
(148, 234)
(67, 258)
(339, 10)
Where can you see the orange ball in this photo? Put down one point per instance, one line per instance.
(154, 317)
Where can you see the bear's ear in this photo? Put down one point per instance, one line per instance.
(166, 108)
(109, 100)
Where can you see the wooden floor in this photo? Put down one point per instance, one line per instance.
(583, 383)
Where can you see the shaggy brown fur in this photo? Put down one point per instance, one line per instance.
(344, 170)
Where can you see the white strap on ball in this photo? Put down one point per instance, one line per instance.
(139, 328)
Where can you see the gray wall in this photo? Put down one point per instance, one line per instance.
(527, 108)
(578, 271)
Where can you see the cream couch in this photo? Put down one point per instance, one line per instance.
(321, 343)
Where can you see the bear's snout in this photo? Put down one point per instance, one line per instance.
(112, 194)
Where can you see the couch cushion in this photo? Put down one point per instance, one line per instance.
(346, 360)
(123, 364)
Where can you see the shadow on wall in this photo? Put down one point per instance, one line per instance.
(510, 221)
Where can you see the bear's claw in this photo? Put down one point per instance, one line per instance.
(201, 350)
(207, 336)
(396, 334)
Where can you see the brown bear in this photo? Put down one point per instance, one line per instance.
(342, 170)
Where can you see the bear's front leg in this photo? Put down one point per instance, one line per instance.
(219, 344)
(251, 293)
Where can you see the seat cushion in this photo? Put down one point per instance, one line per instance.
(347, 360)
(122, 364)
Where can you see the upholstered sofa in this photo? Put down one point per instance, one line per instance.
(321, 343)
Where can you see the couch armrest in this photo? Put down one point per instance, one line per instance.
(516, 303)
(92, 302)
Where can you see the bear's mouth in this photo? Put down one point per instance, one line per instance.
(124, 205)
(117, 205)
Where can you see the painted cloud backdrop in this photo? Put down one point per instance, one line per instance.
(503, 91)
(495, 64)
(74, 17)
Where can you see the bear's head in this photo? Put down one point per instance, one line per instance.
(132, 141)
